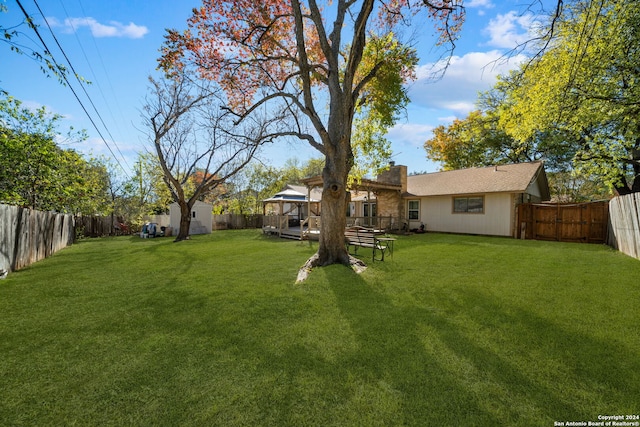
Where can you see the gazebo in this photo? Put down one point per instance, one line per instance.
(291, 212)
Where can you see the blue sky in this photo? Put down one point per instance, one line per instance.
(115, 46)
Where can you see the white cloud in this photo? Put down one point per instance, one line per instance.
(447, 119)
(33, 106)
(95, 147)
(510, 30)
(480, 5)
(112, 29)
(457, 90)
(412, 134)
(487, 4)
(408, 144)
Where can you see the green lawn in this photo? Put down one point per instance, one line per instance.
(453, 331)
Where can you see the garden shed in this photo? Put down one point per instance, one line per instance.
(201, 217)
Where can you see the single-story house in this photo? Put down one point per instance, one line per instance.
(480, 200)
(201, 218)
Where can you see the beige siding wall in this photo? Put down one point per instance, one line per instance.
(437, 215)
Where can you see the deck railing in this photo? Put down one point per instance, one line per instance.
(387, 223)
(277, 224)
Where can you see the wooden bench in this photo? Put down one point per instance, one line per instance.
(365, 237)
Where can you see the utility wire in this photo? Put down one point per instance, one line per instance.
(95, 78)
(64, 76)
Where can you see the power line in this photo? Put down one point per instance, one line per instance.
(95, 78)
(60, 69)
(80, 82)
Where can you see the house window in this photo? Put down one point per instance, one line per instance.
(474, 204)
(414, 209)
(369, 210)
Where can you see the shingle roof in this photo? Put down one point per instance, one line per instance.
(513, 178)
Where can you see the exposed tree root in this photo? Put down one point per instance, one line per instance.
(357, 265)
(304, 271)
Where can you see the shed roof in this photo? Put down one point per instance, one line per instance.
(513, 178)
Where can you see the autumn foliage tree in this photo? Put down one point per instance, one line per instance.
(303, 64)
(473, 141)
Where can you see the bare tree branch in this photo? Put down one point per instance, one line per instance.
(192, 134)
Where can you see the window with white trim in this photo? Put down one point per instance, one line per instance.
(414, 209)
(471, 204)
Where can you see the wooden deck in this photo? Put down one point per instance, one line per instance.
(293, 233)
(278, 225)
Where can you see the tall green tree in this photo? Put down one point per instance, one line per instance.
(147, 188)
(573, 187)
(35, 172)
(82, 185)
(586, 88)
(381, 104)
(473, 141)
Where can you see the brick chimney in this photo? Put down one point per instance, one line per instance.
(395, 175)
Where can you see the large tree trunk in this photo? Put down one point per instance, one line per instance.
(331, 249)
(333, 216)
(185, 221)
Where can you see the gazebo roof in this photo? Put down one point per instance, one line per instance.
(289, 195)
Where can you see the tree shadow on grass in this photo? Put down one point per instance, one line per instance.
(342, 350)
(392, 353)
(447, 375)
(566, 373)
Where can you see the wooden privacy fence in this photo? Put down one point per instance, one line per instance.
(581, 222)
(27, 236)
(236, 221)
(624, 230)
(96, 226)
